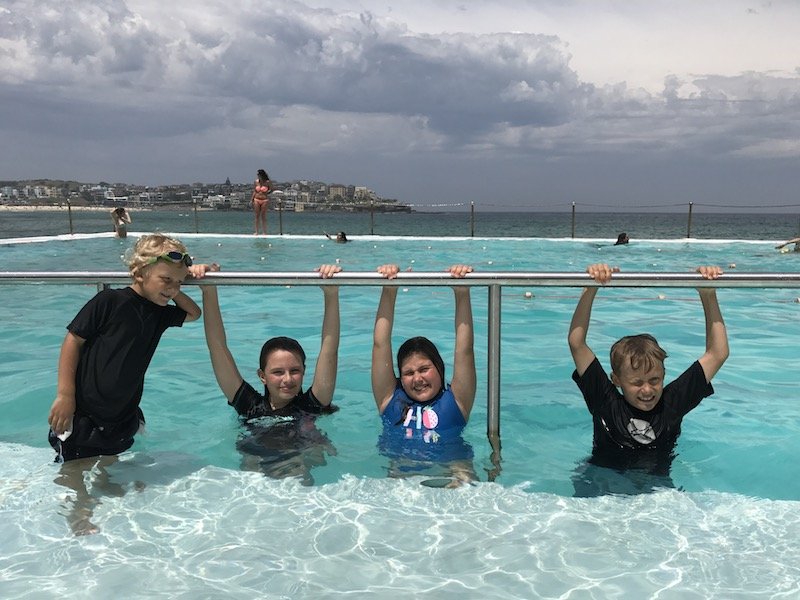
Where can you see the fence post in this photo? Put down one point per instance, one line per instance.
(69, 212)
(689, 226)
(493, 375)
(471, 219)
(280, 217)
(573, 220)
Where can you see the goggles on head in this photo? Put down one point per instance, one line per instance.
(173, 256)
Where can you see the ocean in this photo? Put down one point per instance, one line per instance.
(642, 225)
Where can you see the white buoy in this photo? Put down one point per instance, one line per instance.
(662, 297)
(529, 294)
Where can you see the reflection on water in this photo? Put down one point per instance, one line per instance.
(284, 447)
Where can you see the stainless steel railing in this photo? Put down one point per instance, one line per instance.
(501, 278)
(494, 281)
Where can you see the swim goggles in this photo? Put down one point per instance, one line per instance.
(173, 256)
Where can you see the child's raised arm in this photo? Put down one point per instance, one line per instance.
(582, 354)
(324, 382)
(225, 369)
(716, 334)
(464, 380)
(193, 312)
(384, 379)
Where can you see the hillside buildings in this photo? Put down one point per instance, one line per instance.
(296, 196)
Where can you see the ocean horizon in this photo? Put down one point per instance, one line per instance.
(592, 225)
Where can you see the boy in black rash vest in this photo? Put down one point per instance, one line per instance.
(284, 448)
(108, 347)
(638, 428)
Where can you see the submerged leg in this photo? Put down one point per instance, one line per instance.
(80, 508)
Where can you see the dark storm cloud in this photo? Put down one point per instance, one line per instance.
(146, 87)
(459, 84)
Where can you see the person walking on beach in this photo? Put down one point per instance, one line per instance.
(637, 419)
(423, 416)
(260, 200)
(292, 445)
(121, 219)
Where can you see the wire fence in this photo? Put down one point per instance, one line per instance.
(575, 220)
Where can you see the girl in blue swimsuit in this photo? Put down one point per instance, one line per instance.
(421, 412)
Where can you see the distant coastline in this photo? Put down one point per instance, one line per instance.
(56, 207)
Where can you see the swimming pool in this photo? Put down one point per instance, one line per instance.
(191, 522)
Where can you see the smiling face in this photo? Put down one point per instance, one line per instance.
(419, 377)
(642, 387)
(283, 376)
(160, 282)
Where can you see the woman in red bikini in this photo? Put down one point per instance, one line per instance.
(260, 201)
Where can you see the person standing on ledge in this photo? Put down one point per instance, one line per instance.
(121, 219)
(260, 201)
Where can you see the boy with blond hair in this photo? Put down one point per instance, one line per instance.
(108, 347)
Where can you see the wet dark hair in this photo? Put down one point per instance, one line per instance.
(262, 174)
(421, 345)
(280, 343)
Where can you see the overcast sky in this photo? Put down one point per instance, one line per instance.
(511, 104)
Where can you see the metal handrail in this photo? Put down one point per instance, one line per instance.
(502, 278)
(494, 281)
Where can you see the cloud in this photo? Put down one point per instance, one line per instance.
(207, 84)
(460, 84)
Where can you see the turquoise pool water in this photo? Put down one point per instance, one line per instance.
(188, 520)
